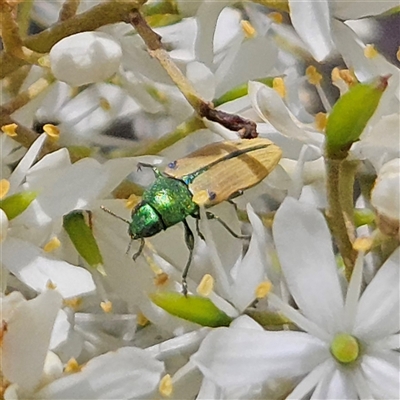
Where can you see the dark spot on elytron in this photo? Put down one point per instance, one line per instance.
(173, 164)
(212, 195)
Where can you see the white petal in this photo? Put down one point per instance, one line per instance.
(336, 385)
(60, 330)
(27, 339)
(311, 19)
(3, 225)
(303, 242)
(382, 374)
(379, 305)
(234, 357)
(128, 373)
(206, 18)
(85, 57)
(271, 108)
(202, 79)
(360, 8)
(22, 168)
(352, 50)
(45, 172)
(238, 70)
(76, 187)
(252, 269)
(318, 374)
(30, 264)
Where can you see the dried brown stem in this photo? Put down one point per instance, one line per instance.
(246, 128)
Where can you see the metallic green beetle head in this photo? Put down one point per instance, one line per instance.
(145, 222)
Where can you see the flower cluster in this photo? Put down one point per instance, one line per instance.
(289, 289)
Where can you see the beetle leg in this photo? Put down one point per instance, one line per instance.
(137, 254)
(189, 240)
(234, 195)
(201, 236)
(210, 215)
(145, 165)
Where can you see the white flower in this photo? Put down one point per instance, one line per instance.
(385, 195)
(85, 57)
(27, 327)
(312, 20)
(61, 187)
(233, 357)
(128, 373)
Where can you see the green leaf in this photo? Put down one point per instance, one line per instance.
(16, 204)
(196, 309)
(351, 114)
(240, 91)
(81, 236)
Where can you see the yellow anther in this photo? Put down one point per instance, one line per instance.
(52, 131)
(50, 285)
(348, 76)
(278, 84)
(363, 244)
(320, 121)
(161, 278)
(72, 366)
(141, 320)
(370, 51)
(52, 244)
(335, 74)
(263, 289)
(276, 17)
(74, 303)
(248, 29)
(165, 388)
(131, 201)
(106, 306)
(105, 104)
(4, 188)
(398, 54)
(314, 77)
(206, 285)
(10, 130)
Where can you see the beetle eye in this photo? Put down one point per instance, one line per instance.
(212, 195)
(172, 164)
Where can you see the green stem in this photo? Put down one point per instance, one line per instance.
(336, 216)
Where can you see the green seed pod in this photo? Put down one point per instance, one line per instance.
(196, 309)
(81, 236)
(351, 114)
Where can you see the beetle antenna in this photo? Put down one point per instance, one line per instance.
(115, 215)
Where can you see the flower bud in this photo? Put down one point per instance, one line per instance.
(85, 58)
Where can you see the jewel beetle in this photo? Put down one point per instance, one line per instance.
(215, 173)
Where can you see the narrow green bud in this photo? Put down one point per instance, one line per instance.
(81, 236)
(350, 115)
(16, 204)
(196, 309)
(240, 91)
